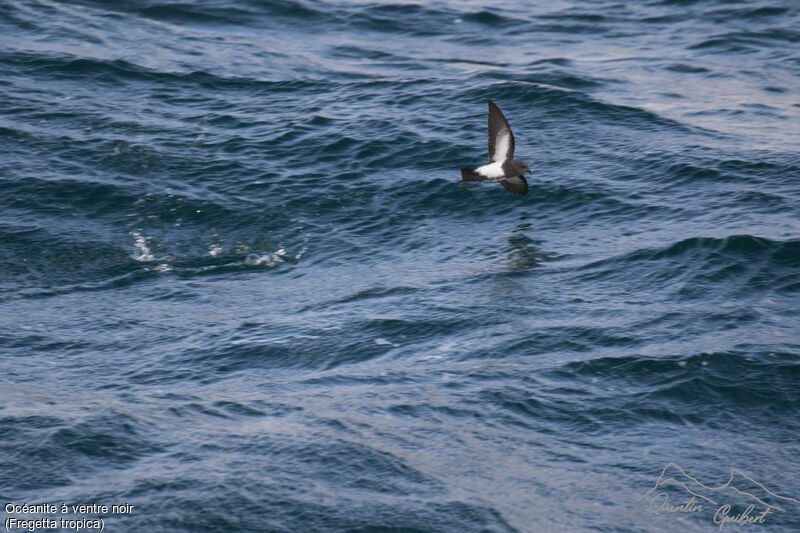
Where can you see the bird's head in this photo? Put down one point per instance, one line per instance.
(525, 168)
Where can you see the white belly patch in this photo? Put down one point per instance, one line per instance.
(493, 171)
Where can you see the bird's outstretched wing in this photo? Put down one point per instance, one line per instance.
(517, 184)
(501, 140)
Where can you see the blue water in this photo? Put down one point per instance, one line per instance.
(242, 289)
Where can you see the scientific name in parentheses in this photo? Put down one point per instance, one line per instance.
(51, 523)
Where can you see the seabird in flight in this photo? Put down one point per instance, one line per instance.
(502, 167)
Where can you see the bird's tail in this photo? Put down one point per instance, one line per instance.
(469, 174)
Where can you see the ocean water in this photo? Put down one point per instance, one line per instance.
(241, 288)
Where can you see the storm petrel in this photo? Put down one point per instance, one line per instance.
(502, 166)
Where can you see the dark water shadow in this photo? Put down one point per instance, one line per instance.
(524, 252)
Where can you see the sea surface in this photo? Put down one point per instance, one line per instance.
(241, 287)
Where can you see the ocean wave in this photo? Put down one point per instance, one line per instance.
(702, 267)
(692, 386)
(86, 444)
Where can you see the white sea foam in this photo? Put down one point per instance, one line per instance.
(267, 259)
(142, 253)
(272, 259)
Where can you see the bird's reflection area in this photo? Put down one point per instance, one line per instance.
(523, 252)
